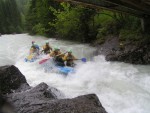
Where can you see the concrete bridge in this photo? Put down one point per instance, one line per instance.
(139, 8)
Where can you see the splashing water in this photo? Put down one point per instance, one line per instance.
(121, 88)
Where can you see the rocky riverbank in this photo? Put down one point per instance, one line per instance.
(17, 96)
(128, 52)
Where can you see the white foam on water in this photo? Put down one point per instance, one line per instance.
(121, 87)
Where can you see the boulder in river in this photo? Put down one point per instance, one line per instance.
(135, 53)
(18, 97)
(5, 106)
(11, 79)
(40, 100)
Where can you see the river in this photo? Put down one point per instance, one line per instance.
(121, 87)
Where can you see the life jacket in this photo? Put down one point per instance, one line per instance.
(46, 48)
(53, 53)
(33, 50)
(69, 58)
(57, 59)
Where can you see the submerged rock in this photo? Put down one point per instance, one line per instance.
(11, 79)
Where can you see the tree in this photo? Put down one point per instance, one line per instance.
(39, 16)
(10, 17)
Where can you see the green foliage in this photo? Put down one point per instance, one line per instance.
(75, 22)
(39, 16)
(10, 19)
(124, 26)
(23, 6)
(72, 22)
(129, 35)
(103, 17)
(102, 32)
(39, 29)
(131, 29)
(67, 21)
(105, 23)
(47, 17)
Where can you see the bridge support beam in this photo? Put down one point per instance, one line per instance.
(145, 22)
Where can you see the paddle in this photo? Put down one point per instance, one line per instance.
(82, 59)
(44, 60)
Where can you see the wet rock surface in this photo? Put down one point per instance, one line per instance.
(18, 97)
(138, 53)
(36, 101)
(11, 79)
(5, 106)
(2, 100)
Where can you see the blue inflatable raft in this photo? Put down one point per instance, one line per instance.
(50, 67)
(65, 70)
(31, 60)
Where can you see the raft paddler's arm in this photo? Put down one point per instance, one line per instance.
(66, 59)
(50, 51)
(74, 58)
(42, 51)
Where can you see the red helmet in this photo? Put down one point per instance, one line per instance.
(33, 42)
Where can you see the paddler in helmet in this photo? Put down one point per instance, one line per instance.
(35, 46)
(47, 48)
(57, 56)
(55, 52)
(69, 58)
(32, 50)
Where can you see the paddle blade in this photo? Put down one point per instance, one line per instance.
(42, 61)
(83, 59)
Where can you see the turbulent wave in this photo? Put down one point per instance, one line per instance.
(121, 88)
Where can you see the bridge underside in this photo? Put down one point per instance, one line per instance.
(138, 8)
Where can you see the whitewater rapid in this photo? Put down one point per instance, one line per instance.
(121, 87)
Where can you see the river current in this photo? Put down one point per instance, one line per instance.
(121, 87)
